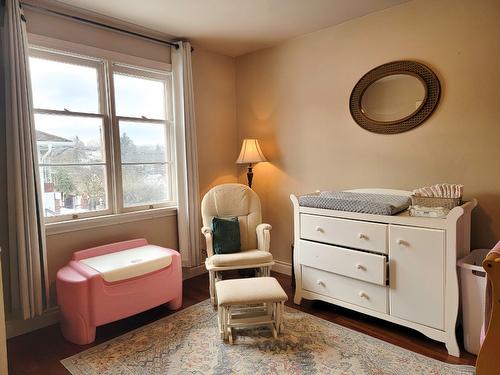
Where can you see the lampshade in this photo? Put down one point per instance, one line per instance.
(250, 152)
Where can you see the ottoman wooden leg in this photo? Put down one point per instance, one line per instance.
(220, 322)
(225, 321)
(282, 314)
(277, 316)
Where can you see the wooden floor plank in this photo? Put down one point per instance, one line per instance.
(39, 352)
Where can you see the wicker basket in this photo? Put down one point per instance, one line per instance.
(448, 203)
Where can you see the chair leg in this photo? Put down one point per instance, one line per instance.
(266, 271)
(211, 278)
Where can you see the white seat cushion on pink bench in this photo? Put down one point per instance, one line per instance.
(130, 263)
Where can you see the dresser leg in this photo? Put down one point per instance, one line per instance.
(298, 298)
(452, 345)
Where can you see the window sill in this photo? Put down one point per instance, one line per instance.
(107, 220)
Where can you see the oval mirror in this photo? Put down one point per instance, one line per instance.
(393, 98)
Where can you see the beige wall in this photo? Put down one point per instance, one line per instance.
(71, 31)
(215, 105)
(294, 97)
(214, 89)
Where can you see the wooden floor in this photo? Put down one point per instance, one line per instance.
(39, 352)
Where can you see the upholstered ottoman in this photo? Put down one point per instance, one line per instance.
(111, 282)
(254, 301)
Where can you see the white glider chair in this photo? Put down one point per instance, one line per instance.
(236, 200)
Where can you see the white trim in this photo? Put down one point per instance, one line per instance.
(282, 267)
(20, 327)
(93, 52)
(132, 70)
(107, 220)
(107, 64)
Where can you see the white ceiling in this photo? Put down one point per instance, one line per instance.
(234, 27)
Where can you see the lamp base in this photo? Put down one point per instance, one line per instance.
(249, 175)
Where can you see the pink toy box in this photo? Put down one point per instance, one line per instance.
(107, 283)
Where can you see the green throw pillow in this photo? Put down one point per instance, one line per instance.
(226, 235)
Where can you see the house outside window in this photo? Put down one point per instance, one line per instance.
(104, 135)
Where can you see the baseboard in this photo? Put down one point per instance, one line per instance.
(189, 272)
(20, 327)
(282, 267)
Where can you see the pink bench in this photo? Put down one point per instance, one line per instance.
(107, 283)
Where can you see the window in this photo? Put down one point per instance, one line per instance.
(104, 134)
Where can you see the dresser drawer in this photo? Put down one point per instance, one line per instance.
(343, 288)
(346, 262)
(351, 233)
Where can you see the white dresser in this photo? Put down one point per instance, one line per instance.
(398, 268)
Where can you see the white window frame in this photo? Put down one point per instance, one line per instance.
(108, 62)
(168, 121)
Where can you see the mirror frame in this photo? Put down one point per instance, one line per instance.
(412, 68)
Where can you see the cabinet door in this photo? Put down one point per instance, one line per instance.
(417, 257)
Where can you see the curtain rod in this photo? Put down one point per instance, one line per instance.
(95, 23)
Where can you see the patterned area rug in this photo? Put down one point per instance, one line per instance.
(188, 342)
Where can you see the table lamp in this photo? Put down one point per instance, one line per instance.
(250, 154)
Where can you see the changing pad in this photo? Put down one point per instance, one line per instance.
(127, 264)
(378, 204)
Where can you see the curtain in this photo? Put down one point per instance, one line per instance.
(188, 215)
(25, 225)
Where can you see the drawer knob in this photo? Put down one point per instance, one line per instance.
(319, 229)
(360, 267)
(402, 242)
(363, 295)
(320, 283)
(362, 236)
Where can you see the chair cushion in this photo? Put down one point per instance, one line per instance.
(234, 200)
(226, 235)
(126, 264)
(244, 258)
(249, 291)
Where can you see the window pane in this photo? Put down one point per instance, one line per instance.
(144, 184)
(137, 97)
(73, 190)
(142, 142)
(69, 139)
(60, 86)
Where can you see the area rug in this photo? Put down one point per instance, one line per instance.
(188, 342)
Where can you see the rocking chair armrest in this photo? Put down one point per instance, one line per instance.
(207, 232)
(264, 236)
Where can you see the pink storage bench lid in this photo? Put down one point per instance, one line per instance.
(127, 264)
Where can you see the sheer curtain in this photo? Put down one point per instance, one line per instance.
(26, 230)
(188, 216)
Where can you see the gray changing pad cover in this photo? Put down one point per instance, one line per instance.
(378, 204)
